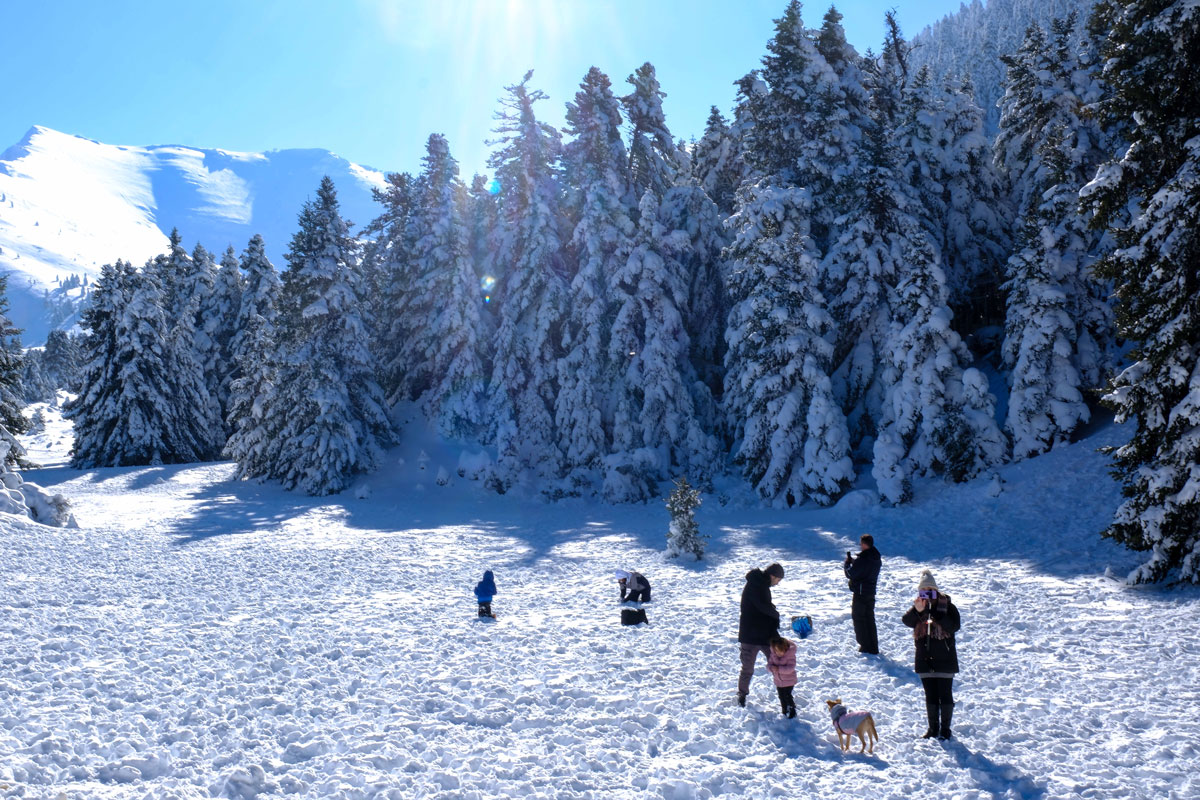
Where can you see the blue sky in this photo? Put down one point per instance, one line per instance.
(371, 79)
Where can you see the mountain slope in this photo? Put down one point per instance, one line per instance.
(68, 205)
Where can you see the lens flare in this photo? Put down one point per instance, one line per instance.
(487, 283)
(493, 186)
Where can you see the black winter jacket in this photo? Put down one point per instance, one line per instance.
(759, 620)
(934, 630)
(863, 572)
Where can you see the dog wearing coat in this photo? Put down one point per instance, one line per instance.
(851, 723)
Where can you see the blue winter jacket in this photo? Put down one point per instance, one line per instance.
(485, 590)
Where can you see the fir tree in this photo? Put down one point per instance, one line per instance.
(334, 419)
(220, 318)
(937, 415)
(1044, 117)
(60, 360)
(717, 164)
(791, 437)
(388, 265)
(1149, 199)
(141, 402)
(532, 294)
(253, 433)
(596, 163)
(1045, 404)
(445, 336)
(655, 161)
(656, 428)
(12, 393)
(683, 535)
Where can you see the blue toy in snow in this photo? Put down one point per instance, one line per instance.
(802, 626)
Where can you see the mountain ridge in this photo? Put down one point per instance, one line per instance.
(70, 204)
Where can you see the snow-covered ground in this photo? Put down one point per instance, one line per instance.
(200, 638)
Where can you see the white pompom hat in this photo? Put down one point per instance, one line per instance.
(927, 581)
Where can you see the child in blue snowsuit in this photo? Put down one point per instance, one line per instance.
(485, 590)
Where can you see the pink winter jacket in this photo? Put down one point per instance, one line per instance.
(783, 667)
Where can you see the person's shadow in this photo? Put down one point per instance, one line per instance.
(998, 780)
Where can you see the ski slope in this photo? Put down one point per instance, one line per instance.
(202, 638)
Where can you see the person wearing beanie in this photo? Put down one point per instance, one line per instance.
(863, 573)
(758, 622)
(934, 620)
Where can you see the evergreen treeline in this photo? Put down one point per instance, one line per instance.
(838, 278)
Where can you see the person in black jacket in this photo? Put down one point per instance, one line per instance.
(863, 573)
(758, 622)
(934, 621)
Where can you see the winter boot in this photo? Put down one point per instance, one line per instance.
(741, 700)
(947, 713)
(791, 712)
(931, 712)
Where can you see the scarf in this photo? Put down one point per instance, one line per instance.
(928, 626)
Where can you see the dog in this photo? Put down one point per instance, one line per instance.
(849, 723)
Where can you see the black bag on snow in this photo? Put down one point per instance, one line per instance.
(634, 616)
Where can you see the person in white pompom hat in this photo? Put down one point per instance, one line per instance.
(634, 586)
(935, 620)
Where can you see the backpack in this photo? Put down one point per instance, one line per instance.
(634, 616)
(802, 626)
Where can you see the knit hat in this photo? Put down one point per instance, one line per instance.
(774, 571)
(621, 574)
(927, 581)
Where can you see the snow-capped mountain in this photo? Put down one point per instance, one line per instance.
(68, 205)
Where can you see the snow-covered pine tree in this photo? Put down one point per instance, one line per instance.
(388, 274)
(1045, 404)
(688, 234)
(34, 386)
(1048, 93)
(253, 433)
(862, 264)
(683, 534)
(220, 321)
(171, 271)
(141, 402)
(91, 409)
(717, 164)
(937, 415)
(334, 419)
(791, 437)
(695, 239)
(532, 294)
(445, 333)
(655, 161)
(656, 429)
(1149, 199)
(975, 231)
(12, 393)
(597, 166)
(60, 359)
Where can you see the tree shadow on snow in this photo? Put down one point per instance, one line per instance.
(232, 507)
(999, 780)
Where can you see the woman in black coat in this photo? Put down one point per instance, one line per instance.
(935, 620)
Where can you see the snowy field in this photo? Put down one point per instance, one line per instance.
(200, 638)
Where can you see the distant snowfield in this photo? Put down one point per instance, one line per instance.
(201, 638)
(69, 205)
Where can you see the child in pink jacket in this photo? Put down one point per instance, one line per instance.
(782, 664)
